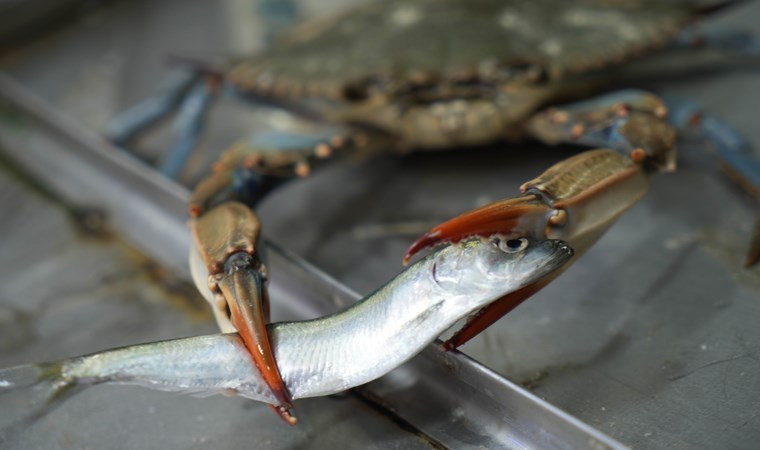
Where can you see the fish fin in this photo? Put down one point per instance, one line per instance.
(31, 391)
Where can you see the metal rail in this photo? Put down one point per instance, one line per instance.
(452, 399)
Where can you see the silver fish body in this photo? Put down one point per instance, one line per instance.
(333, 353)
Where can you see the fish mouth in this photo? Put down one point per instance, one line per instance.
(561, 253)
(564, 248)
(544, 257)
(537, 271)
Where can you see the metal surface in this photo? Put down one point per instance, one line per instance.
(447, 396)
(652, 336)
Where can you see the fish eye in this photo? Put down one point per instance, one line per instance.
(512, 245)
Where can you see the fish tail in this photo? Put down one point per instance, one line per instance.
(30, 392)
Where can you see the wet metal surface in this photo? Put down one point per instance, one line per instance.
(651, 337)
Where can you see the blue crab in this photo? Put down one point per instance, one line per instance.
(437, 74)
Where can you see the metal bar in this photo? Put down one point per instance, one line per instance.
(448, 396)
(87, 170)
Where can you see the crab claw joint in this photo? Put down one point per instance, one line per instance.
(521, 216)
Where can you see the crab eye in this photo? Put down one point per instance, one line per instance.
(512, 245)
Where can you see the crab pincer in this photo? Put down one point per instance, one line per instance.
(519, 216)
(226, 239)
(575, 200)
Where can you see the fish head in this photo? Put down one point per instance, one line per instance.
(498, 264)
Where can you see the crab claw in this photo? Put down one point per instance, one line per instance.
(489, 314)
(527, 215)
(575, 200)
(521, 216)
(243, 290)
(228, 272)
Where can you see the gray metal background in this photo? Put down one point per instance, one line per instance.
(652, 337)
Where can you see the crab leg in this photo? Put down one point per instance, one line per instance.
(634, 122)
(641, 125)
(226, 239)
(737, 42)
(188, 126)
(579, 198)
(226, 232)
(631, 122)
(732, 147)
(734, 151)
(251, 169)
(128, 124)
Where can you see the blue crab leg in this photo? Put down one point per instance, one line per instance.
(190, 90)
(226, 264)
(730, 144)
(121, 129)
(188, 126)
(733, 149)
(193, 111)
(737, 42)
(251, 169)
(632, 122)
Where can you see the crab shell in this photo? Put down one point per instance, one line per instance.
(446, 73)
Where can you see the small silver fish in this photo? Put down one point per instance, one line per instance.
(322, 356)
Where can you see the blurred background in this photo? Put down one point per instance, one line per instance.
(651, 337)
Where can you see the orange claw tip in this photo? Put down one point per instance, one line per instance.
(263, 358)
(284, 414)
(448, 346)
(243, 290)
(427, 240)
